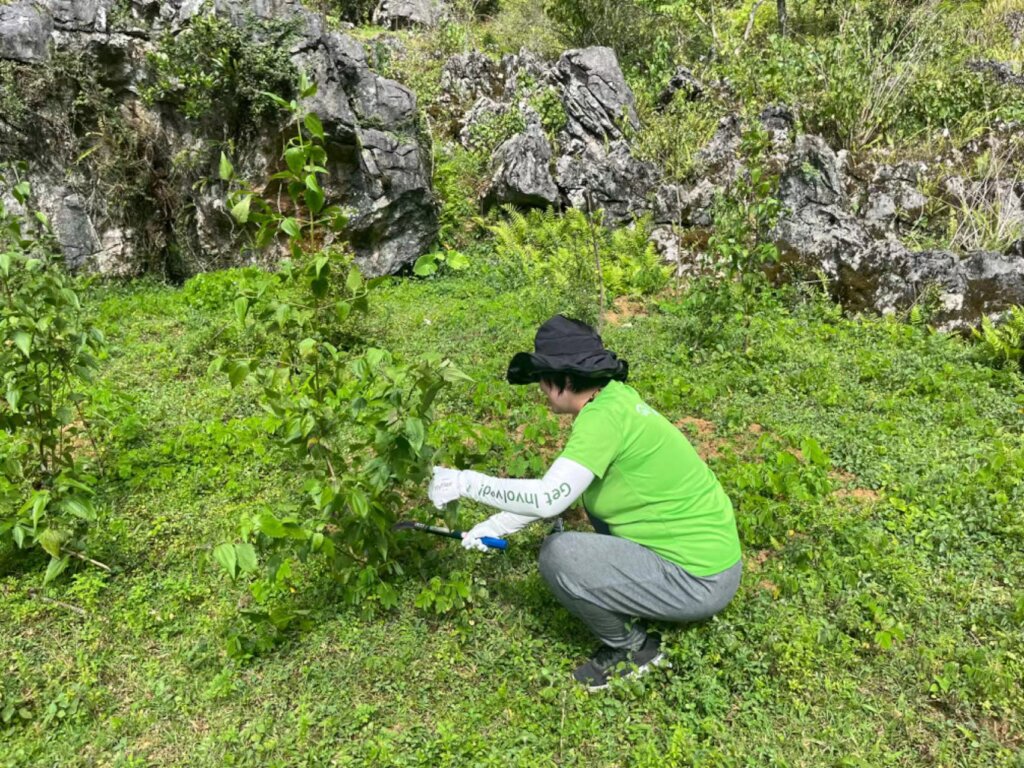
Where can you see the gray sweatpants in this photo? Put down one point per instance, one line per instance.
(607, 581)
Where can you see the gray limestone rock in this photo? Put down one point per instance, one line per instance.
(684, 81)
(817, 227)
(401, 14)
(1003, 72)
(79, 15)
(892, 201)
(395, 217)
(719, 161)
(685, 205)
(886, 277)
(25, 32)
(522, 72)
(599, 105)
(615, 182)
(467, 77)
(521, 171)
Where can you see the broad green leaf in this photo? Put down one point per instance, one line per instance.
(21, 191)
(13, 398)
(282, 103)
(456, 260)
(23, 341)
(19, 536)
(290, 227)
(307, 347)
(271, 526)
(55, 568)
(225, 555)
(314, 126)
(354, 281)
(295, 157)
(320, 265)
(241, 309)
(246, 554)
(39, 502)
(50, 540)
(314, 194)
(80, 508)
(415, 431)
(226, 170)
(237, 372)
(452, 374)
(5, 264)
(814, 453)
(425, 265)
(216, 365)
(342, 310)
(240, 210)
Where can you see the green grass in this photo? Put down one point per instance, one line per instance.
(914, 530)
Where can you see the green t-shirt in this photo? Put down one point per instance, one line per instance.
(650, 486)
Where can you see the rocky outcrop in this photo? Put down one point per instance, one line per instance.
(375, 158)
(893, 201)
(24, 32)
(886, 277)
(599, 105)
(402, 14)
(817, 225)
(521, 171)
(1003, 72)
(467, 77)
(684, 81)
(613, 181)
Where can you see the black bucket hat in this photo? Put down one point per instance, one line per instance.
(563, 345)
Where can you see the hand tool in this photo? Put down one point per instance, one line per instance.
(414, 526)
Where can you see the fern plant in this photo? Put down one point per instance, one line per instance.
(1002, 345)
(551, 256)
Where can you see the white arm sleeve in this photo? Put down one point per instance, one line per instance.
(564, 482)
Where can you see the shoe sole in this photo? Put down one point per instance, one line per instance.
(657, 661)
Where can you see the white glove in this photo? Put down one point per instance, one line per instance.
(444, 486)
(496, 527)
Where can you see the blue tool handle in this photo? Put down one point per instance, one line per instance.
(495, 543)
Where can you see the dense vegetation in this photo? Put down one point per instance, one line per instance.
(211, 579)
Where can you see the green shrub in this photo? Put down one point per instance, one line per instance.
(214, 67)
(356, 421)
(47, 353)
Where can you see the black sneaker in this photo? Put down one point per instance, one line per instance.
(618, 662)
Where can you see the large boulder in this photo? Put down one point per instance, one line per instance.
(25, 32)
(614, 181)
(599, 105)
(816, 228)
(402, 14)
(887, 277)
(376, 164)
(521, 171)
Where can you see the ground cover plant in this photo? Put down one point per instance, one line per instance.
(876, 468)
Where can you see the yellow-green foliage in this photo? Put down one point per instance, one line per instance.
(553, 255)
(1002, 344)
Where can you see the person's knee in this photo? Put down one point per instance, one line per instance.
(555, 555)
